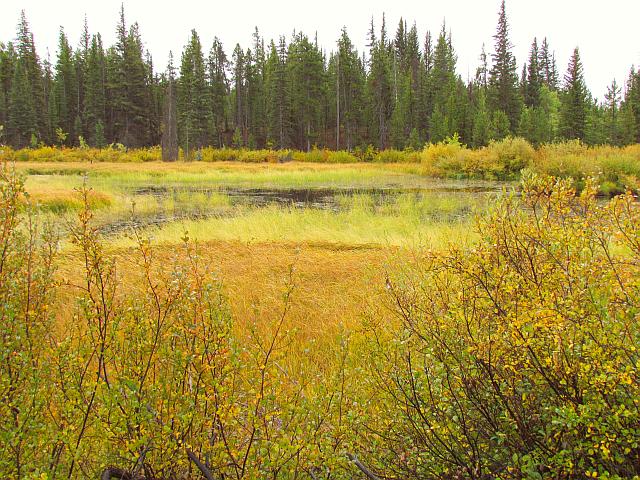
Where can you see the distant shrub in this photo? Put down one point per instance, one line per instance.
(506, 158)
(210, 154)
(315, 155)
(341, 156)
(398, 156)
(257, 156)
(439, 155)
(616, 169)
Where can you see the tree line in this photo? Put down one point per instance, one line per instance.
(401, 92)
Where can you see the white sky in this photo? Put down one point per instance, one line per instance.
(606, 32)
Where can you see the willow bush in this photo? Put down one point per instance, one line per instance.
(517, 358)
(145, 378)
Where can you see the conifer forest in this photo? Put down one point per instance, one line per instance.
(402, 91)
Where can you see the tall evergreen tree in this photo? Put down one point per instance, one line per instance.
(128, 88)
(575, 101)
(7, 60)
(238, 94)
(32, 70)
(65, 89)
(193, 99)
(277, 95)
(22, 117)
(533, 78)
(548, 69)
(631, 107)
(349, 76)
(612, 109)
(94, 112)
(170, 150)
(379, 88)
(305, 76)
(219, 91)
(503, 80)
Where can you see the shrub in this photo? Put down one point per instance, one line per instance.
(398, 156)
(518, 358)
(440, 155)
(506, 158)
(341, 156)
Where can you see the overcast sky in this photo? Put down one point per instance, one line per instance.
(607, 33)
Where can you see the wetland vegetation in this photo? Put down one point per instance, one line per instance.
(300, 264)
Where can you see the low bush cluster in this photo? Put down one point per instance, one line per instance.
(616, 168)
(503, 160)
(517, 358)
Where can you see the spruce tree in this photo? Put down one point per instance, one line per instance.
(219, 91)
(442, 80)
(575, 102)
(612, 107)
(548, 69)
(193, 99)
(94, 109)
(7, 62)
(32, 70)
(533, 79)
(305, 71)
(503, 80)
(170, 149)
(349, 70)
(631, 107)
(22, 116)
(238, 95)
(379, 89)
(64, 90)
(277, 95)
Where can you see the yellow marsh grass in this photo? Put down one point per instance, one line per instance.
(114, 176)
(60, 201)
(333, 286)
(357, 226)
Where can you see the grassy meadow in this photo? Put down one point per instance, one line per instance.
(317, 320)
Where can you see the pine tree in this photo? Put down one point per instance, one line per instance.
(481, 121)
(129, 88)
(94, 112)
(64, 90)
(170, 149)
(305, 69)
(503, 81)
(22, 118)
(574, 107)
(277, 93)
(32, 70)
(239, 94)
(612, 106)
(379, 88)
(219, 91)
(631, 107)
(349, 70)
(81, 58)
(442, 81)
(193, 99)
(7, 62)
(548, 69)
(533, 79)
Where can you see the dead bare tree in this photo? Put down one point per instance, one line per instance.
(170, 122)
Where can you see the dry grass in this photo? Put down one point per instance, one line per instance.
(334, 285)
